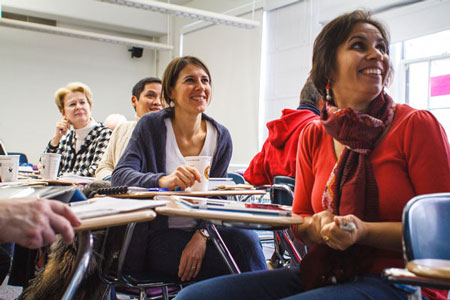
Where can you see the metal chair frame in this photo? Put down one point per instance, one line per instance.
(118, 278)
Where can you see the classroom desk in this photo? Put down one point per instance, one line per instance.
(85, 241)
(230, 219)
(435, 268)
(215, 193)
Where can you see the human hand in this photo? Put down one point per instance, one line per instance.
(184, 176)
(62, 127)
(343, 232)
(310, 230)
(34, 223)
(192, 257)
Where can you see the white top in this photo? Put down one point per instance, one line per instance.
(174, 158)
(81, 134)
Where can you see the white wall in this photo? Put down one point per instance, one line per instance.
(34, 65)
(289, 38)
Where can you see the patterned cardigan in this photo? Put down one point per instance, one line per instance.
(85, 161)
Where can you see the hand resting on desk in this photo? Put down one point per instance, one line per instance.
(34, 223)
(184, 176)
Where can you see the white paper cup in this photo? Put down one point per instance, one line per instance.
(202, 164)
(50, 165)
(9, 166)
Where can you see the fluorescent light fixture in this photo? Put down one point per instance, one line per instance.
(83, 34)
(188, 12)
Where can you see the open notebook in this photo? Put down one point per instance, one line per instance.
(103, 206)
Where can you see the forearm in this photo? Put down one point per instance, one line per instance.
(383, 235)
(103, 171)
(128, 176)
(55, 141)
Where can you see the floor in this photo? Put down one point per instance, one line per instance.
(8, 292)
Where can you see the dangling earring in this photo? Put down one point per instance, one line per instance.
(327, 90)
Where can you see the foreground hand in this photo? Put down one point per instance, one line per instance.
(337, 238)
(34, 223)
(192, 257)
(184, 176)
(310, 231)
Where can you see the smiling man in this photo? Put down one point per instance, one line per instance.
(146, 98)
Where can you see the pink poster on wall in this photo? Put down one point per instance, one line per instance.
(440, 85)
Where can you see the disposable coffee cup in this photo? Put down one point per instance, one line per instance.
(202, 164)
(50, 165)
(9, 167)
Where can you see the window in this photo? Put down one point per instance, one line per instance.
(427, 74)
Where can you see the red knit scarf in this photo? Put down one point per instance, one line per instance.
(351, 188)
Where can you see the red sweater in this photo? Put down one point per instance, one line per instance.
(279, 151)
(412, 159)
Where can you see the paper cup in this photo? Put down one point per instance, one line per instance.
(9, 166)
(50, 165)
(202, 164)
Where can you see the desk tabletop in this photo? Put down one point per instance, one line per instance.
(141, 215)
(243, 192)
(438, 268)
(173, 208)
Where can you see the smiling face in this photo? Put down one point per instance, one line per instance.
(77, 109)
(362, 64)
(149, 99)
(192, 90)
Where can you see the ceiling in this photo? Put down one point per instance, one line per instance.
(95, 16)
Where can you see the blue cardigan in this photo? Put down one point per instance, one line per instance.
(144, 160)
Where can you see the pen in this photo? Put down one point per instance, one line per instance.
(348, 227)
(78, 203)
(142, 189)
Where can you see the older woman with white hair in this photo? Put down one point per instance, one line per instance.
(82, 147)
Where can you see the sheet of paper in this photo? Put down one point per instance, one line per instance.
(104, 206)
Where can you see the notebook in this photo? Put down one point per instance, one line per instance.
(234, 206)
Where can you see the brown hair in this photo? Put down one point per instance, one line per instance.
(331, 37)
(72, 87)
(309, 94)
(172, 72)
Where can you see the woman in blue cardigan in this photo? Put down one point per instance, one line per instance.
(154, 157)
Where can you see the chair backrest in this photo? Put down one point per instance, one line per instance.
(282, 190)
(426, 227)
(237, 178)
(23, 159)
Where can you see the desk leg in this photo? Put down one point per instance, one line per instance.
(85, 245)
(222, 248)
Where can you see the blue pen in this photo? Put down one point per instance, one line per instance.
(158, 190)
(142, 189)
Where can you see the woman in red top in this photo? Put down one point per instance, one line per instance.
(356, 169)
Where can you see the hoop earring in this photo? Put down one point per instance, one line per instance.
(327, 90)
